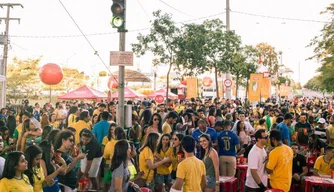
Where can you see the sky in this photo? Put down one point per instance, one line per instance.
(46, 30)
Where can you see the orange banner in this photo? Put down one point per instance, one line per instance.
(191, 88)
(265, 88)
(220, 86)
(284, 91)
(254, 89)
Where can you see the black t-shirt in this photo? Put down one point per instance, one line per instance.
(298, 163)
(93, 148)
(318, 145)
(70, 179)
(303, 132)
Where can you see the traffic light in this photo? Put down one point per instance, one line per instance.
(118, 18)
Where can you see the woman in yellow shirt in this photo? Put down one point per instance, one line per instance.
(109, 153)
(53, 121)
(35, 172)
(13, 178)
(163, 171)
(147, 162)
(177, 152)
(72, 116)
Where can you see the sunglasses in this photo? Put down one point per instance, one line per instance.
(155, 119)
(175, 139)
(71, 140)
(266, 137)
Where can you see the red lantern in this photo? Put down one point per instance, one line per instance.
(184, 82)
(112, 83)
(51, 74)
(207, 81)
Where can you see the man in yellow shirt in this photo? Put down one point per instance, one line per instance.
(170, 120)
(325, 163)
(279, 164)
(191, 173)
(100, 109)
(81, 124)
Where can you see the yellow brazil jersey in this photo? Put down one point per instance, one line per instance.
(79, 126)
(163, 169)
(96, 112)
(331, 134)
(55, 124)
(109, 151)
(166, 128)
(38, 180)
(16, 185)
(105, 141)
(191, 170)
(280, 161)
(323, 167)
(72, 120)
(146, 154)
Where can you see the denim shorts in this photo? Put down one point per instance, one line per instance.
(211, 182)
(161, 179)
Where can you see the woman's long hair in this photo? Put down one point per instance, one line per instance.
(52, 136)
(46, 148)
(26, 126)
(11, 124)
(109, 130)
(212, 111)
(119, 133)
(238, 127)
(159, 148)
(202, 151)
(120, 155)
(30, 153)
(11, 162)
(46, 131)
(160, 121)
(72, 110)
(180, 137)
(62, 135)
(2, 132)
(151, 142)
(45, 121)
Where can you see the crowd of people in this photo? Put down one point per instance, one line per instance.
(183, 145)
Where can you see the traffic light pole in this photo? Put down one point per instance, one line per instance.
(228, 74)
(121, 84)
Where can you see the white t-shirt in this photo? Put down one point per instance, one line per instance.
(2, 165)
(256, 158)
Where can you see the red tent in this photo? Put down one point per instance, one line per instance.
(129, 93)
(84, 92)
(163, 93)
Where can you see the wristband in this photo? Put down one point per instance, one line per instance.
(261, 185)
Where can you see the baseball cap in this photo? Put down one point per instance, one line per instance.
(322, 121)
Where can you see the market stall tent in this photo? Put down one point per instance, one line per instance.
(129, 94)
(84, 92)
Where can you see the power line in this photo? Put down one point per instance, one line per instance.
(274, 17)
(184, 13)
(107, 33)
(142, 7)
(90, 44)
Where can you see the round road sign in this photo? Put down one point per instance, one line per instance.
(228, 83)
(159, 99)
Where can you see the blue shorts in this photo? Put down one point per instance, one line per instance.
(211, 182)
(161, 179)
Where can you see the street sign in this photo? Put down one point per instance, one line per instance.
(228, 83)
(159, 99)
(121, 58)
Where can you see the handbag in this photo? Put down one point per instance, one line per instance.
(142, 182)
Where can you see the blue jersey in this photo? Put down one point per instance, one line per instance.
(285, 132)
(227, 141)
(209, 131)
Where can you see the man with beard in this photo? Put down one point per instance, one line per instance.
(279, 164)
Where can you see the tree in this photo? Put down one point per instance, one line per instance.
(244, 64)
(269, 57)
(162, 41)
(315, 84)
(207, 46)
(324, 52)
(23, 77)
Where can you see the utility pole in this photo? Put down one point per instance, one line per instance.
(121, 84)
(228, 74)
(3, 68)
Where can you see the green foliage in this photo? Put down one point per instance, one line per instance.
(269, 56)
(163, 41)
(206, 47)
(324, 53)
(23, 77)
(315, 84)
